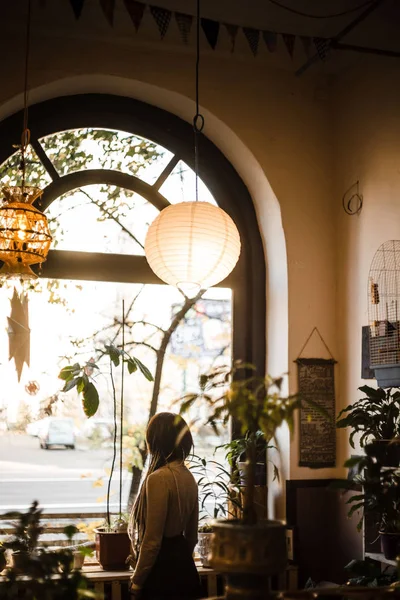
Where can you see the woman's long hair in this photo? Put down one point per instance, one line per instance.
(168, 439)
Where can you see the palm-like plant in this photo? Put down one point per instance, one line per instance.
(255, 402)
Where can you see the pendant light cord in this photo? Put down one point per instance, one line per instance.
(26, 134)
(198, 120)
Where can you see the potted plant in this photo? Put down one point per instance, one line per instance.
(376, 417)
(24, 540)
(43, 574)
(247, 552)
(376, 492)
(216, 496)
(112, 540)
(3, 560)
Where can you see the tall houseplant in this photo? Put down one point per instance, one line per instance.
(112, 541)
(246, 551)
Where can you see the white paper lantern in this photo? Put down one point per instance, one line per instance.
(192, 245)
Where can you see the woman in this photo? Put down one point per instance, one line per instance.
(164, 519)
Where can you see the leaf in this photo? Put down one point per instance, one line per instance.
(81, 384)
(69, 372)
(114, 353)
(90, 401)
(144, 370)
(69, 385)
(132, 366)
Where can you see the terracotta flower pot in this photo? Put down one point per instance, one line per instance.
(112, 549)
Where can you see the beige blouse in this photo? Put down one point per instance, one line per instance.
(172, 508)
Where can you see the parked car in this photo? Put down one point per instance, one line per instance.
(57, 431)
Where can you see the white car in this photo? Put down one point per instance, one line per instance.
(57, 431)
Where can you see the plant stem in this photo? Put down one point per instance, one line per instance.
(249, 511)
(122, 409)
(114, 443)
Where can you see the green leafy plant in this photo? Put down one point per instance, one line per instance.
(369, 573)
(27, 529)
(216, 493)
(376, 416)
(375, 490)
(237, 449)
(82, 377)
(255, 402)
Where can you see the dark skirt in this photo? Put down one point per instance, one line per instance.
(174, 574)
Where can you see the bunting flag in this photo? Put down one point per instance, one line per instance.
(252, 36)
(271, 40)
(108, 7)
(306, 41)
(162, 17)
(322, 47)
(211, 31)
(136, 11)
(211, 28)
(184, 23)
(289, 40)
(232, 33)
(77, 6)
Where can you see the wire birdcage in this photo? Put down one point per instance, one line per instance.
(384, 307)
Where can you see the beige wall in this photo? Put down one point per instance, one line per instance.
(276, 129)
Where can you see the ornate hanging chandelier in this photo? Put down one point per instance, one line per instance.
(24, 231)
(193, 245)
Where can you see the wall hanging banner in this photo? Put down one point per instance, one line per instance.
(289, 42)
(316, 382)
(271, 40)
(252, 36)
(162, 17)
(184, 23)
(232, 33)
(136, 12)
(108, 7)
(211, 31)
(77, 6)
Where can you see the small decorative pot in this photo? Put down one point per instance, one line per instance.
(79, 559)
(204, 548)
(112, 549)
(390, 544)
(248, 555)
(18, 560)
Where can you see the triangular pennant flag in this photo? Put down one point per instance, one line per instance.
(184, 23)
(232, 32)
(252, 36)
(306, 41)
(321, 46)
(211, 31)
(162, 17)
(19, 332)
(289, 40)
(108, 7)
(136, 11)
(271, 40)
(77, 6)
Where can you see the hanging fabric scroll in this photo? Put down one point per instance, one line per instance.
(316, 382)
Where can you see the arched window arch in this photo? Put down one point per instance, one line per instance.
(175, 136)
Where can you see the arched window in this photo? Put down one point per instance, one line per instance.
(109, 164)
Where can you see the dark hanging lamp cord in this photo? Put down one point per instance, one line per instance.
(313, 16)
(198, 120)
(26, 134)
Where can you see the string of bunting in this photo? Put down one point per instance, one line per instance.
(211, 28)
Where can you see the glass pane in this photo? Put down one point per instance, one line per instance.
(180, 186)
(79, 149)
(100, 218)
(70, 321)
(36, 174)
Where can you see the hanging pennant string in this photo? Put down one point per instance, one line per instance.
(26, 134)
(315, 330)
(198, 120)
